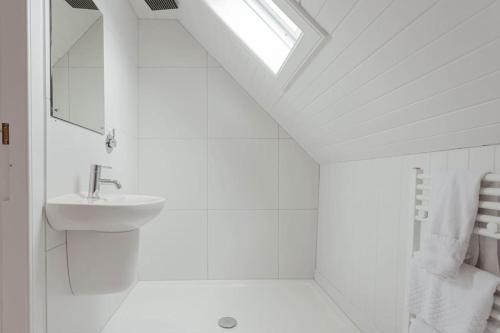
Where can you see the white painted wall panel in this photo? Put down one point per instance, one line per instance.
(478, 32)
(364, 218)
(476, 91)
(390, 23)
(426, 27)
(479, 115)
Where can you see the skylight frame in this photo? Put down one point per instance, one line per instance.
(311, 39)
(288, 32)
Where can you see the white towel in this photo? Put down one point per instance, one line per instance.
(419, 326)
(453, 305)
(452, 214)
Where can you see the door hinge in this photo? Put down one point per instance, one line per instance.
(5, 134)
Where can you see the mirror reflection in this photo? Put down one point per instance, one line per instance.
(77, 63)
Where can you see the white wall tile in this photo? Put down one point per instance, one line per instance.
(121, 71)
(242, 174)
(176, 170)
(124, 160)
(67, 313)
(188, 105)
(232, 112)
(299, 177)
(70, 151)
(177, 48)
(174, 246)
(242, 244)
(297, 243)
(172, 103)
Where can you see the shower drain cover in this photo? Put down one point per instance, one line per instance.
(227, 322)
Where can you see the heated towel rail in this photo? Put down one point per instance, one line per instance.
(487, 221)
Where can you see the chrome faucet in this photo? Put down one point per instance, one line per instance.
(96, 180)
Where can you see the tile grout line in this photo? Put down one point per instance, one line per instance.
(270, 140)
(241, 209)
(206, 169)
(279, 206)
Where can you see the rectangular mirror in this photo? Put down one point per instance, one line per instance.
(77, 63)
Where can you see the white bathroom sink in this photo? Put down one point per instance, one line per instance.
(110, 213)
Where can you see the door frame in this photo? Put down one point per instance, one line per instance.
(38, 109)
(23, 86)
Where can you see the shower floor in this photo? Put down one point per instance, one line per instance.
(259, 307)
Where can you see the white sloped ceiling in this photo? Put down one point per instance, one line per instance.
(394, 77)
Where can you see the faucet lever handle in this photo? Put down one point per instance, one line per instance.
(100, 166)
(96, 168)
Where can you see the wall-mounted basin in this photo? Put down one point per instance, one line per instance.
(102, 238)
(112, 213)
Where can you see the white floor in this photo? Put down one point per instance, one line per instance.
(259, 307)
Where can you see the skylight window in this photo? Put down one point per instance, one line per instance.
(262, 26)
(274, 17)
(277, 32)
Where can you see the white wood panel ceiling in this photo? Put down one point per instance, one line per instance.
(395, 76)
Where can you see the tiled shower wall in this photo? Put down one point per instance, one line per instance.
(241, 194)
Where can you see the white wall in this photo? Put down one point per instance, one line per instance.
(241, 194)
(15, 219)
(394, 77)
(363, 226)
(71, 150)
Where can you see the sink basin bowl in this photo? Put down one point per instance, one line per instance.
(112, 213)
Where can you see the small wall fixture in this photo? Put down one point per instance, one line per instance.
(111, 141)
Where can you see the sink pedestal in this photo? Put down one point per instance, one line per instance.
(102, 262)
